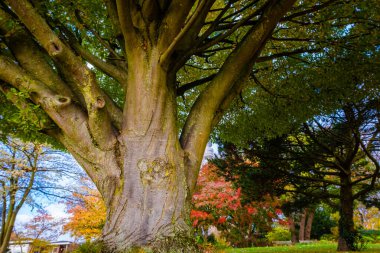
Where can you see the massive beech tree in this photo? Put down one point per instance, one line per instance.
(106, 75)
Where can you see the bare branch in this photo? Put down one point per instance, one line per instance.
(315, 8)
(181, 90)
(284, 54)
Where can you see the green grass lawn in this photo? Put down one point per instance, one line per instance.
(315, 248)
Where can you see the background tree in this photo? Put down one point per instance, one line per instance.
(88, 214)
(42, 227)
(29, 171)
(332, 159)
(41, 230)
(18, 171)
(323, 223)
(367, 217)
(106, 76)
(218, 204)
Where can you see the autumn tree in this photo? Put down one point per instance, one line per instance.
(41, 230)
(43, 226)
(106, 76)
(217, 203)
(88, 214)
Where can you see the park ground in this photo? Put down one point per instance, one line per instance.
(320, 247)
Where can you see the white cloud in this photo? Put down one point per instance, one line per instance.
(57, 211)
(23, 218)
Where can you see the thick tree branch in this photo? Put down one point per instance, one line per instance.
(228, 81)
(98, 117)
(29, 54)
(124, 13)
(174, 20)
(13, 74)
(111, 70)
(92, 159)
(70, 118)
(184, 30)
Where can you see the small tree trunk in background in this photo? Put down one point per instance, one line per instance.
(347, 233)
(292, 229)
(309, 224)
(301, 235)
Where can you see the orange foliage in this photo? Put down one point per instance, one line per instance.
(88, 215)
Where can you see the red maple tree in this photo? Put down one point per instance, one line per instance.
(217, 203)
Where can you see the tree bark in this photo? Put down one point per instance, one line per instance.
(347, 232)
(147, 195)
(292, 229)
(301, 235)
(309, 223)
(151, 209)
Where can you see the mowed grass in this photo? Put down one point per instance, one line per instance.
(309, 248)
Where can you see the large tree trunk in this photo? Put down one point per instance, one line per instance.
(148, 195)
(347, 233)
(151, 208)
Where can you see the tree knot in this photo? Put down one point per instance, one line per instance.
(156, 171)
(54, 47)
(99, 102)
(61, 101)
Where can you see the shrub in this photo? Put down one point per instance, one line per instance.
(328, 237)
(89, 247)
(372, 236)
(322, 223)
(279, 234)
